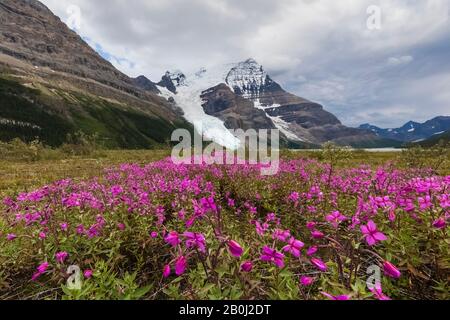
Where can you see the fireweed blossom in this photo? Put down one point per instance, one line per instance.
(312, 250)
(335, 218)
(195, 240)
(180, 266)
(273, 256)
(294, 246)
(338, 298)
(40, 270)
(247, 266)
(166, 271)
(11, 237)
(316, 234)
(61, 256)
(154, 235)
(281, 235)
(319, 264)
(88, 274)
(440, 223)
(377, 292)
(371, 233)
(235, 249)
(173, 239)
(307, 281)
(391, 270)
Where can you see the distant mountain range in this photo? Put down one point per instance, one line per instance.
(413, 131)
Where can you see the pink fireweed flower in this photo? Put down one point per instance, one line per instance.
(42, 235)
(61, 256)
(391, 270)
(316, 234)
(180, 266)
(195, 240)
(425, 203)
(121, 226)
(371, 233)
(64, 226)
(311, 225)
(116, 190)
(440, 223)
(294, 246)
(377, 291)
(294, 197)
(319, 264)
(80, 229)
(166, 271)
(273, 256)
(261, 228)
(235, 249)
(93, 231)
(281, 235)
(335, 218)
(247, 266)
(11, 237)
(338, 298)
(88, 274)
(307, 281)
(312, 251)
(173, 239)
(40, 270)
(154, 235)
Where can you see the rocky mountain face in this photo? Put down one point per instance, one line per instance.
(145, 84)
(50, 78)
(236, 111)
(413, 131)
(172, 80)
(243, 95)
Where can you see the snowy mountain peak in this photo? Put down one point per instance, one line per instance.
(247, 79)
(178, 78)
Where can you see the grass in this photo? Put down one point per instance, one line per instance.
(19, 176)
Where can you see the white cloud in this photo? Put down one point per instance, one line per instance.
(397, 61)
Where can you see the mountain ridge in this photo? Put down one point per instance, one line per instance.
(413, 131)
(52, 73)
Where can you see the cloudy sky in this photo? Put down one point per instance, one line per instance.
(332, 52)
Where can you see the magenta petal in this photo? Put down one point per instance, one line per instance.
(371, 226)
(364, 230)
(370, 240)
(279, 263)
(379, 236)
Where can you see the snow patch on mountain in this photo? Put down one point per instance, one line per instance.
(247, 78)
(188, 98)
(279, 123)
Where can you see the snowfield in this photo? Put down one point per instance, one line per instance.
(188, 98)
